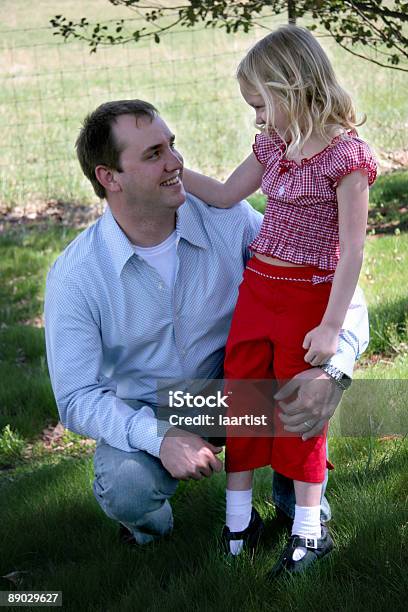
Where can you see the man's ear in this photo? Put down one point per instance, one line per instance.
(106, 177)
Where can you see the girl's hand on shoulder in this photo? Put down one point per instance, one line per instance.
(321, 343)
(244, 181)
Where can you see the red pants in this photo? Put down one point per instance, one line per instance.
(270, 322)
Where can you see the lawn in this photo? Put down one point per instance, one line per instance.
(55, 536)
(52, 530)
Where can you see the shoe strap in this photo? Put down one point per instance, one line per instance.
(236, 535)
(310, 543)
(240, 535)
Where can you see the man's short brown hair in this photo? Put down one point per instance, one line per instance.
(96, 144)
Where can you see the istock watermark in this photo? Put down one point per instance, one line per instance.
(214, 408)
(180, 399)
(247, 408)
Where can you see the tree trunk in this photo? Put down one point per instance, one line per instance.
(292, 12)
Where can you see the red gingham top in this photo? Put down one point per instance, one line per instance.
(301, 217)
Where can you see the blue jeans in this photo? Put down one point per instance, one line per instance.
(283, 495)
(134, 489)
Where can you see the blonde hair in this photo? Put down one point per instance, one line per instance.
(290, 65)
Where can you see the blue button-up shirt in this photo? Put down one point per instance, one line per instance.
(114, 328)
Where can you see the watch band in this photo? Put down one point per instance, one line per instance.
(340, 378)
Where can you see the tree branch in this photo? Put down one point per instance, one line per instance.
(358, 21)
(399, 15)
(369, 59)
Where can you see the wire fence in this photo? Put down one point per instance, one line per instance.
(48, 86)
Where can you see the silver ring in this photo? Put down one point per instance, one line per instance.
(308, 425)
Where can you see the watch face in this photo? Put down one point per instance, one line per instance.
(336, 373)
(338, 376)
(346, 381)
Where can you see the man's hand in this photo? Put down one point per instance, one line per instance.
(317, 399)
(185, 455)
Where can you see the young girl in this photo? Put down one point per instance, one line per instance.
(306, 262)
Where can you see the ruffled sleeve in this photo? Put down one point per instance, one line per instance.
(265, 147)
(349, 155)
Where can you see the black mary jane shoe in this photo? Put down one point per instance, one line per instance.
(251, 535)
(317, 548)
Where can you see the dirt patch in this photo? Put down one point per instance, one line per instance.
(57, 212)
(70, 214)
(376, 359)
(394, 160)
(44, 214)
(57, 439)
(379, 224)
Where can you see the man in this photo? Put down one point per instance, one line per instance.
(145, 294)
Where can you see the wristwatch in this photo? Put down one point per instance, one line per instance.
(340, 378)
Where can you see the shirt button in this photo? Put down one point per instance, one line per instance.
(160, 286)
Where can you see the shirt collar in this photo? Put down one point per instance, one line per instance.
(190, 223)
(189, 226)
(119, 246)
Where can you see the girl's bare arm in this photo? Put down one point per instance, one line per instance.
(352, 198)
(243, 182)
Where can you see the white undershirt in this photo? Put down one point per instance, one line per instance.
(163, 257)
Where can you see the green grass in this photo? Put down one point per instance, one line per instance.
(390, 190)
(375, 405)
(383, 279)
(26, 253)
(53, 530)
(389, 202)
(46, 90)
(26, 397)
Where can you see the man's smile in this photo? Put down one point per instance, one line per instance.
(175, 180)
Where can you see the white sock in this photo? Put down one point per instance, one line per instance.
(306, 524)
(238, 515)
